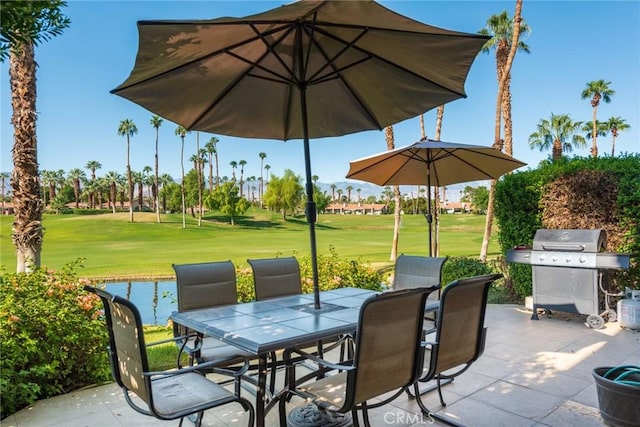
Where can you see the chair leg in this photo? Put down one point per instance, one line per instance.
(428, 413)
(440, 392)
(354, 417)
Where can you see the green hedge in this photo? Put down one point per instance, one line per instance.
(519, 214)
(52, 336)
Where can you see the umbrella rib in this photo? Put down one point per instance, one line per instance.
(186, 64)
(253, 64)
(386, 61)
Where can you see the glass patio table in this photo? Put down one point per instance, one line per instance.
(261, 327)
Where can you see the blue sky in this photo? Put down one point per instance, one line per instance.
(572, 43)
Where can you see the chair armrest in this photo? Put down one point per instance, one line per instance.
(201, 366)
(343, 366)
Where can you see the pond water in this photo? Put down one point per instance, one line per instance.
(148, 297)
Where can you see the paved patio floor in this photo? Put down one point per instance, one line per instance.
(532, 373)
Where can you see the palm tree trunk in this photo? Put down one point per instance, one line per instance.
(27, 226)
(388, 132)
(436, 190)
(184, 208)
(594, 134)
(129, 182)
(517, 18)
(155, 182)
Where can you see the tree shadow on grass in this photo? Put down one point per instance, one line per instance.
(244, 221)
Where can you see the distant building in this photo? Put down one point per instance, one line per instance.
(356, 208)
(458, 207)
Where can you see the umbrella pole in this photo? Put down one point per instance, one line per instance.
(310, 209)
(429, 215)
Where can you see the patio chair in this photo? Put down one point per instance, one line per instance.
(166, 395)
(279, 277)
(204, 285)
(459, 337)
(388, 358)
(413, 271)
(275, 277)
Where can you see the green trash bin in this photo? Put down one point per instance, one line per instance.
(619, 395)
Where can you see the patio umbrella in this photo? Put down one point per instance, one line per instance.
(430, 162)
(306, 70)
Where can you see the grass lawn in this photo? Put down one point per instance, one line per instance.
(115, 248)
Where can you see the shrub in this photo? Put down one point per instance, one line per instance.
(460, 267)
(52, 336)
(333, 272)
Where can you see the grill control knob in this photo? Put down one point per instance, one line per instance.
(568, 260)
(582, 260)
(554, 259)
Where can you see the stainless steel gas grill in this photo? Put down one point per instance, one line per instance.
(568, 267)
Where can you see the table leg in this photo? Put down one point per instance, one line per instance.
(261, 391)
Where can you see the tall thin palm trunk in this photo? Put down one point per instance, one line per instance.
(388, 133)
(436, 189)
(517, 18)
(156, 199)
(184, 206)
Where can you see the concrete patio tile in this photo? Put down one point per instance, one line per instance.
(553, 383)
(472, 412)
(525, 402)
(574, 414)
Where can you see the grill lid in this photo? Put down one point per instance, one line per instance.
(569, 240)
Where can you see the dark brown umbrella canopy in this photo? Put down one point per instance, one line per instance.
(361, 66)
(310, 69)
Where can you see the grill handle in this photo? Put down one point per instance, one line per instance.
(563, 248)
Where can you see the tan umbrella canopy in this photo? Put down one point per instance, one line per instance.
(306, 70)
(430, 163)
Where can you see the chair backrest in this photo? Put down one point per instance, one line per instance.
(275, 277)
(388, 351)
(460, 326)
(127, 352)
(412, 271)
(206, 284)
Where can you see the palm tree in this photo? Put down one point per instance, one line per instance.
(156, 122)
(211, 148)
(349, 190)
(128, 128)
(601, 129)
(163, 180)
(48, 179)
(267, 167)
(92, 166)
(27, 25)
(233, 165)
(560, 134)
(182, 132)
(138, 179)
(75, 176)
(502, 104)
(242, 163)
(597, 90)
(358, 190)
(112, 178)
(149, 181)
(500, 28)
(261, 190)
(333, 192)
(615, 125)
